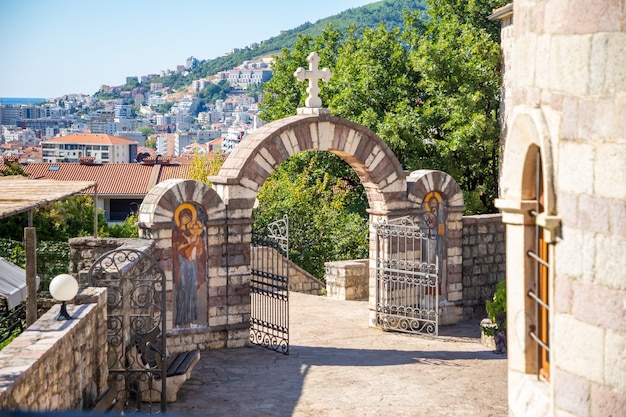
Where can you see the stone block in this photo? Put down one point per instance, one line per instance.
(563, 294)
(609, 265)
(579, 347)
(606, 401)
(615, 68)
(573, 392)
(576, 162)
(598, 305)
(617, 218)
(615, 360)
(597, 120)
(455, 295)
(610, 170)
(569, 63)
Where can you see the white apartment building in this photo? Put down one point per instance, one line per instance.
(104, 148)
(243, 77)
(155, 100)
(123, 111)
(163, 119)
(16, 134)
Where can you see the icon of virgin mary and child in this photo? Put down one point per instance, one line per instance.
(189, 262)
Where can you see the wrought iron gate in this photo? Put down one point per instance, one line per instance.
(269, 287)
(407, 281)
(135, 327)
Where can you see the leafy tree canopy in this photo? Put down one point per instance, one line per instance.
(430, 90)
(323, 198)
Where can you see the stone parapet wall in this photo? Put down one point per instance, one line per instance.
(347, 280)
(58, 365)
(84, 251)
(484, 261)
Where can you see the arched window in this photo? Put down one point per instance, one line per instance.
(538, 282)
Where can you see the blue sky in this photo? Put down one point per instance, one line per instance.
(49, 48)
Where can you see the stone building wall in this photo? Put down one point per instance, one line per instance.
(566, 104)
(58, 365)
(484, 256)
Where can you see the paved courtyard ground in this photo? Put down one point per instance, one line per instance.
(338, 366)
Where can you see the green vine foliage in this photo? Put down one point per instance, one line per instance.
(496, 308)
(53, 258)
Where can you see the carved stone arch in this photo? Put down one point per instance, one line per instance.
(159, 205)
(423, 181)
(527, 132)
(248, 166)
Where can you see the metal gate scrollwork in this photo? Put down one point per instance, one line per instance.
(135, 327)
(269, 287)
(407, 276)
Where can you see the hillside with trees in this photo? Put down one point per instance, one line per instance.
(389, 12)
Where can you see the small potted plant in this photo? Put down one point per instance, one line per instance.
(494, 327)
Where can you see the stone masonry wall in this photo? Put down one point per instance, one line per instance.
(58, 365)
(299, 280)
(484, 255)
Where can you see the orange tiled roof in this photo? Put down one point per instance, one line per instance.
(112, 179)
(173, 171)
(101, 139)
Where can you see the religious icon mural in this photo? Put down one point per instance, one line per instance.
(189, 261)
(435, 221)
(434, 213)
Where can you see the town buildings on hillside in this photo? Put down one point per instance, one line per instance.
(188, 120)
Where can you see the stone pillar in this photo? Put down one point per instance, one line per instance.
(226, 292)
(423, 185)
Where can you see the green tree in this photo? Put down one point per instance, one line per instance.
(146, 131)
(12, 168)
(375, 85)
(458, 54)
(127, 229)
(325, 222)
(57, 222)
(254, 90)
(431, 92)
(163, 108)
(204, 166)
(151, 142)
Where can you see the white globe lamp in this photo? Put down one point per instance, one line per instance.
(63, 288)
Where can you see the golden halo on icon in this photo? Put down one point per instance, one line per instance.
(188, 206)
(430, 196)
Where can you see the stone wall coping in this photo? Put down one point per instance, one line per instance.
(357, 262)
(481, 218)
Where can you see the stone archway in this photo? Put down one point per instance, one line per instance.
(529, 210)
(381, 174)
(253, 160)
(229, 203)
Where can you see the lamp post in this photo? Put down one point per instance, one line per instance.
(63, 288)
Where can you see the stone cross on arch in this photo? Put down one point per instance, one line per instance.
(313, 74)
